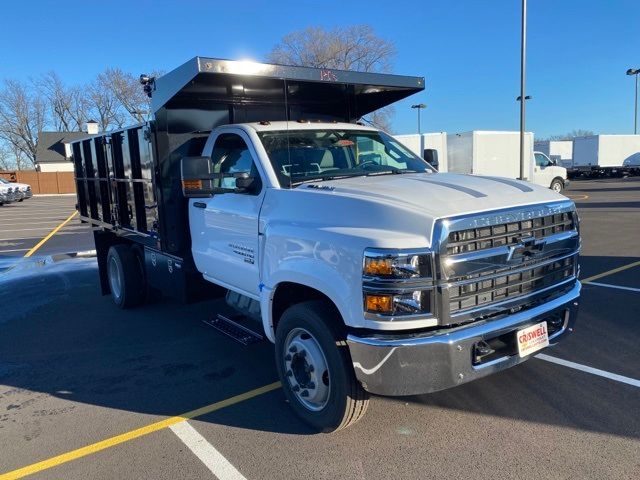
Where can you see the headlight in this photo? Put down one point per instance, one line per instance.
(397, 282)
(396, 264)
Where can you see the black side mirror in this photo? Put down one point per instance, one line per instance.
(430, 155)
(245, 183)
(196, 177)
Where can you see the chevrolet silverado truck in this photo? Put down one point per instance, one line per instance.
(370, 271)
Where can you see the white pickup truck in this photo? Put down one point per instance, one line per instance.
(370, 271)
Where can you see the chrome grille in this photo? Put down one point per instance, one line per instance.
(490, 263)
(506, 285)
(491, 236)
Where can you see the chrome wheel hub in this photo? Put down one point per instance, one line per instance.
(306, 369)
(557, 187)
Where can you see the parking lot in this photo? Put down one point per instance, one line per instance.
(89, 391)
(23, 225)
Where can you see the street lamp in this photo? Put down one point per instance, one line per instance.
(419, 106)
(523, 62)
(635, 72)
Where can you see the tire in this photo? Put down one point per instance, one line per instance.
(308, 334)
(557, 185)
(126, 277)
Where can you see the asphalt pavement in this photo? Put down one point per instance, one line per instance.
(89, 391)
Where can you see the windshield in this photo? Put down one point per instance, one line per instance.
(299, 156)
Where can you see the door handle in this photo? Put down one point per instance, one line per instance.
(199, 204)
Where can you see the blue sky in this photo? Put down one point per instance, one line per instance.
(467, 50)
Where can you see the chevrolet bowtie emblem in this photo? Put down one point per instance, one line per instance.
(526, 247)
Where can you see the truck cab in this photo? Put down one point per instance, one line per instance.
(370, 272)
(547, 172)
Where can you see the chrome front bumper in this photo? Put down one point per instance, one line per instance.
(422, 363)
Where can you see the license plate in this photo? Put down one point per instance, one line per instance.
(532, 339)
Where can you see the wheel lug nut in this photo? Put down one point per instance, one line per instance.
(305, 393)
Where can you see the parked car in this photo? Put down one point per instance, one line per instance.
(22, 190)
(7, 194)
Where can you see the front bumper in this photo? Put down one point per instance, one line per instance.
(27, 194)
(413, 364)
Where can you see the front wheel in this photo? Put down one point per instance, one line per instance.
(315, 367)
(557, 185)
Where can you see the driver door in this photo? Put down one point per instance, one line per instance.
(224, 227)
(542, 173)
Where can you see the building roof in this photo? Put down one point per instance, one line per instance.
(50, 147)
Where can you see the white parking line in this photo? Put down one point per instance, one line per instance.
(43, 229)
(613, 286)
(594, 371)
(14, 250)
(206, 452)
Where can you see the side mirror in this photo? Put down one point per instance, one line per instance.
(430, 155)
(244, 183)
(196, 177)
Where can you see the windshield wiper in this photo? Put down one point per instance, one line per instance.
(327, 178)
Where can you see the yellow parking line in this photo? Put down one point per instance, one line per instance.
(49, 235)
(138, 432)
(610, 272)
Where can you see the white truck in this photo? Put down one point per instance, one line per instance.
(598, 155)
(497, 153)
(22, 190)
(432, 147)
(370, 271)
(559, 151)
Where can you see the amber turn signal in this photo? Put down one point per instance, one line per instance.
(192, 184)
(379, 303)
(378, 266)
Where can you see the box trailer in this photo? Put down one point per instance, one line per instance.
(560, 151)
(497, 153)
(597, 155)
(430, 146)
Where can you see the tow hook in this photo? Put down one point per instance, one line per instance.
(481, 350)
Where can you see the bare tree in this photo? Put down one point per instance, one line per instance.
(68, 105)
(22, 117)
(354, 47)
(7, 161)
(571, 135)
(103, 106)
(126, 89)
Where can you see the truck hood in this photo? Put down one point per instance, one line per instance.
(439, 195)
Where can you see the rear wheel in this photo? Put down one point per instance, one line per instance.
(315, 367)
(557, 185)
(126, 276)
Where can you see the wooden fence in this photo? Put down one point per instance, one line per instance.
(43, 182)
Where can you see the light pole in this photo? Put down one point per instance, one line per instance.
(419, 106)
(635, 72)
(523, 58)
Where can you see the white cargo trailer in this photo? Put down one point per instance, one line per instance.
(497, 153)
(560, 151)
(607, 154)
(418, 143)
